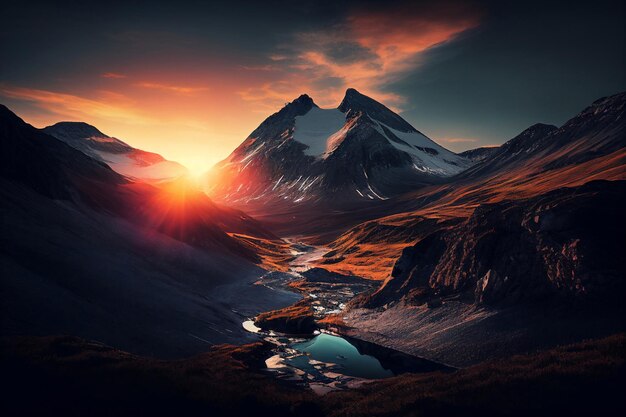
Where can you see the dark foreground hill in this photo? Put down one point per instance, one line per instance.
(63, 376)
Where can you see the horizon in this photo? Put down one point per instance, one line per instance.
(198, 170)
(267, 208)
(191, 83)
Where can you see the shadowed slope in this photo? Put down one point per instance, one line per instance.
(85, 251)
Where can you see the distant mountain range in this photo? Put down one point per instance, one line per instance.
(121, 157)
(360, 151)
(478, 154)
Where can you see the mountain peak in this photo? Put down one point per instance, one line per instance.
(303, 103)
(303, 98)
(75, 129)
(353, 98)
(533, 132)
(542, 127)
(118, 155)
(352, 92)
(355, 103)
(360, 151)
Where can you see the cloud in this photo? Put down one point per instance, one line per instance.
(111, 106)
(171, 88)
(459, 140)
(324, 83)
(342, 52)
(368, 51)
(112, 75)
(258, 67)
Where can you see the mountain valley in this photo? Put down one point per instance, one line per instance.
(347, 221)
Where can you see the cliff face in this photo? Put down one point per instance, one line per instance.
(568, 243)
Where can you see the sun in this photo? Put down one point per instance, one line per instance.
(196, 172)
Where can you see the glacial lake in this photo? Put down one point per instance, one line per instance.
(333, 349)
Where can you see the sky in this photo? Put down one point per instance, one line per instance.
(190, 79)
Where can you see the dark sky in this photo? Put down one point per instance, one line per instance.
(191, 79)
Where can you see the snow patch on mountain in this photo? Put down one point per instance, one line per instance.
(118, 155)
(361, 150)
(128, 165)
(427, 155)
(317, 130)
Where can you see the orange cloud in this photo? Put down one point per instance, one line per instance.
(172, 88)
(398, 37)
(112, 75)
(458, 140)
(367, 51)
(152, 109)
(113, 107)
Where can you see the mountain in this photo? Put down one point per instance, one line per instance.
(565, 243)
(87, 251)
(595, 132)
(120, 156)
(542, 158)
(360, 151)
(47, 165)
(479, 154)
(175, 207)
(520, 251)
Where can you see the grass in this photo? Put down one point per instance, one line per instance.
(296, 319)
(65, 376)
(583, 379)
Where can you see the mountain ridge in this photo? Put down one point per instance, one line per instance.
(360, 151)
(120, 156)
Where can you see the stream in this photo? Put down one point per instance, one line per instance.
(326, 361)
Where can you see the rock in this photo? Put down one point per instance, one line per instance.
(568, 243)
(295, 319)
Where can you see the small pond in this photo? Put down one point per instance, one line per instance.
(337, 350)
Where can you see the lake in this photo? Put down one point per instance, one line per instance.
(337, 350)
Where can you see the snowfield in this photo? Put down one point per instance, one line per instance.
(443, 163)
(317, 130)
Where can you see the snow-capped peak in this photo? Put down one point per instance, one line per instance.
(304, 152)
(120, 156)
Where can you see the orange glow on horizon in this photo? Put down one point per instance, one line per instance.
(195, 126)
(196, 113)
(180, 210)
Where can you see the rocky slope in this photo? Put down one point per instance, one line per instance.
(479, 154)
(565, 244)
(361, 151)
(521, 251)
(590, 146)
(595, 132)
